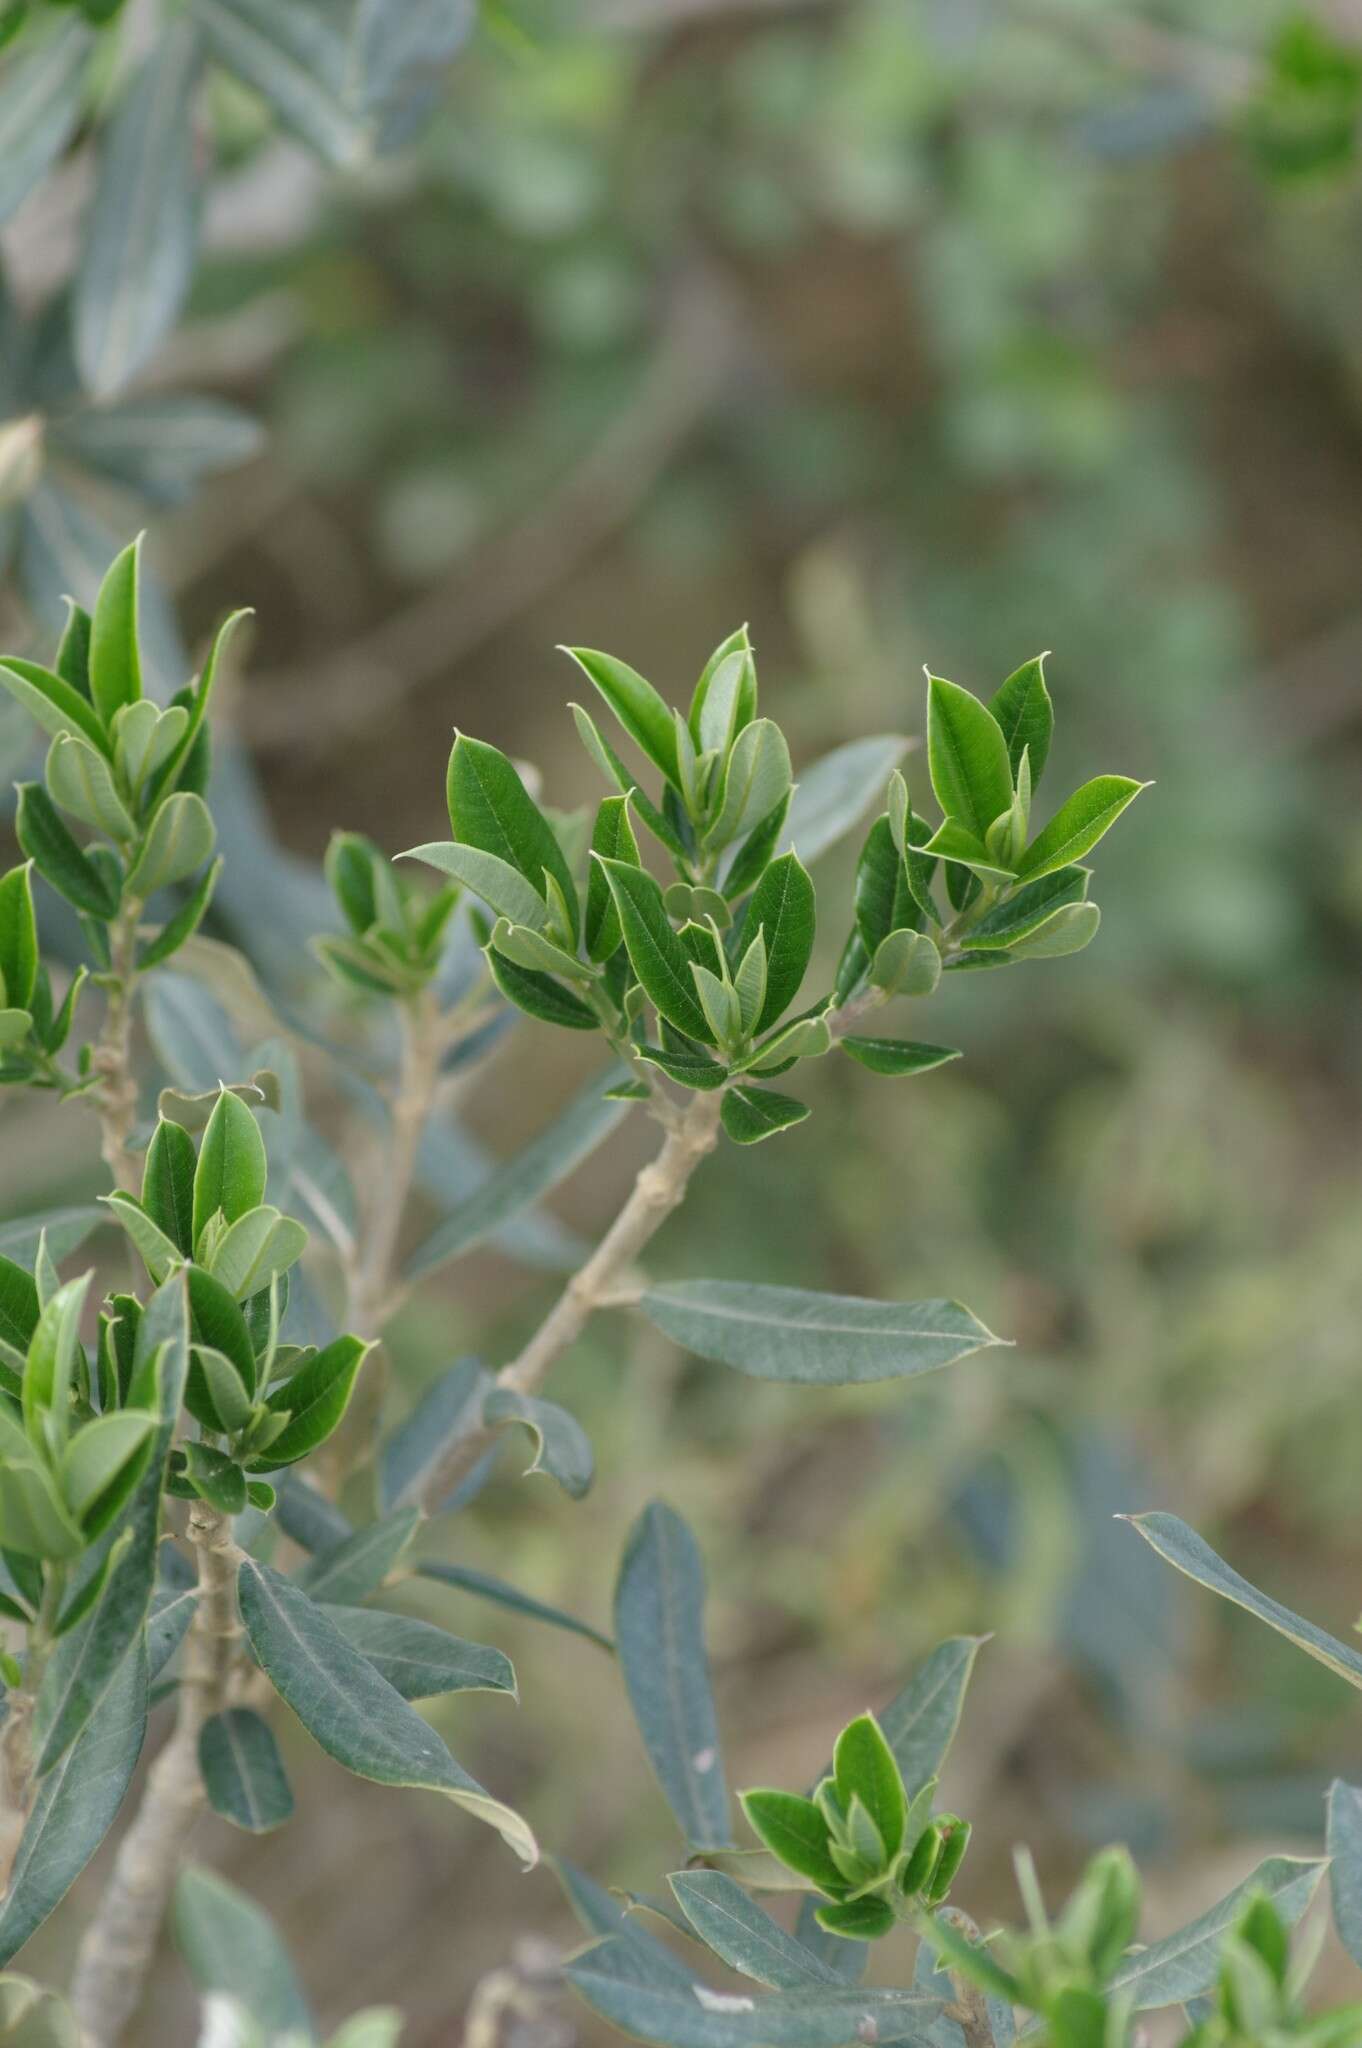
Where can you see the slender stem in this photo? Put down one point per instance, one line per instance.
(116, 1095)
(116, 1952)
(16, 1743)
(658, 1190)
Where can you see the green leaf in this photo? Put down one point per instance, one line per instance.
(55, 854)
(231, 1949)
(897, 1055)
(522, 1180)
(635, 703)
(1067, 930)
(539, 995)
(257, 1248)
(741, 1934)
(1078, 824)
(656, 954)
(757, 777)
(1026, 716)
(357, 1567)
(41, 103)
(490, 808)
(51, 700)
(783, 1333)
(356, 1716)
(613, 838)
(907, 963)
(885, 900)
(730, 670)
(1026, 908)
(34, 1520)
(920, 1722)
(115, 663)
(562, 1448)
(142, 229)
(968, 757)
(1185, 1964)
(168, 1184)
(98, 1452)
(181, 839)
(15, 1026)
(864, 1767)
(190, 749)
(219, 1324)
(419, 1660)
(296, 57)
(49, 1377)
(1191, 1554)
(19, 1305)
(1345, 1864)
(953, 842)
(243, 1772)
(537, 953)
(858, 1919)
(232, 1167)
(485, 1587)
(611, 766)
(659, 1629)
(834, 794)
(216, 1478)
(314, 1398)
(76, 1804)
(159, 1253)
(795, 1832)
(688, 1069)
(449, 1410)
(751, 1114)
(18, 937)
(500, 886)
(217, 1395)
(31, 2017)
(782, 907)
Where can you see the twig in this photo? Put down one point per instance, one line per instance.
(116, 1096)
(116, 1952)
(659, 1188)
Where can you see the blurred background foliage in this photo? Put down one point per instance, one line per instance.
(912, 331)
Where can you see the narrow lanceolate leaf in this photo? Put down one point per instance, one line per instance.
(115, 661)
(141, 234)
(751, 1114)
(784, 1333)
(1078, 824)
(48, 844)
(490, 808)
(562, 1447)
(782, 908)
(1026, 716)
(232, 1949)
(56, 705)
(920, 1722)
(296, 56)
(602, 1912)
(656, 954)
(354, 1569)
(314, 1398)
(1028, 907)
(1187, 1963)
(168, 1184)
(967, 756)
(897, 1055)
(356, 1716)
(243, 1772)
(659, 1628)
(483, 1586)
(419, 1660)
(232, 1166)
(635, 703)
(1345, 1867)
(448, 1411)
(76, 1805)
(500, 886)
(183, 925)
(41, 103)
(18, 937)
(836, 792)
(730, 1922)
(1193, 1555)
(613, 838)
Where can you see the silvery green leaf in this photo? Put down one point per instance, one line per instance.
(562, 1448)
(356, 1716)
(1187, 1963)
(1191, 1554)
(79, 780)
(159, 446)
(395, 38)
(231, 1947)
(143, 224)
(919, 1723)
(41, 102)
(756, 777)
(243, 1772)
(484, 1586)
(500, 886)
(76, 1804)
(181, 839)
(257, 1248)
(358, 1566)
(66, 1231)
(528, 948)
(784, 1333)
(419, 1660)
(742, 1934)
(751, 1114)
(448, 1411)
(907, 963)
(601, 1912)
(836, 792)
(1345, 1867)
(1067, 930)
(294, 53)
(56, 705)
(659, 1629)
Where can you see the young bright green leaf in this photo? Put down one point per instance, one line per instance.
(1078, 824)
(711, 725)
(501, 887)
(968, 757)
(243, 1772)
(183, 924)
(178, 768)
(783, 1333)
(865, 1768)
(782, 908)
(907, 963)
(490, 808)
(51, 700)
(741, 1934)
(757, 777)
(356, 1716)
(562, 1447)
(50, 1374)
(897, 1055)
(216, 1478)
(315, 1398)
(419, 1660)
(527, 948)
(858, 1919)
(159, 1253)
(635, 703)
(181, 839)
(659, 1629)
(232, 1167)
(885, 899)
(98, 1452)
(217, 1321)
(1026, 716)
(751, 1114)
(688, 1069)
(353, 1569)
(1345, 1864)
(804, 1038)
(80, 781)
(115, 664)
(796, 1833)
(539, 995)
(231, 1949)
(1023, 909)
(256, 1249)
(1066, 930)
(168, 1184)
(18, 937)
(1191, 1554)
(613, 839)
(614, 770)
(34, 1520)
(1185, 1964)
(19, 1306)
(15, 1026)
(48, 844)
(144, 736)
(656, 954)
(217, 1396)
(953, 843)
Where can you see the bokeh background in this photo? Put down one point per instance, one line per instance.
(911, 331)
